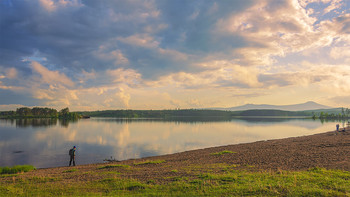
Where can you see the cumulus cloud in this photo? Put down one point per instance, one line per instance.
(273, 28)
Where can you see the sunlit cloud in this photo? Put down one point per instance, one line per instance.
(52, 5)
(51, 77)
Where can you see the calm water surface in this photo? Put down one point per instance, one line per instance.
(45, 142)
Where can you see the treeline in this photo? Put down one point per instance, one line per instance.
(343, 115)
(272, 112)
(157, 113)
(39, 112)
(164, 114)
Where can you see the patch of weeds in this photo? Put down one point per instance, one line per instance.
(223, 152)
(223, 178)
(135, 187)
(150, 162)
(175, 171)
(108, 180)
(317, 170)
(70, 170)
(196, 181)
(36, 179)
(16, 169)
(206, 176)
(227, 179)
(235, 165)
(113, 166)
(8, 175)
(176, 178)
(151, 182)
(112, 172)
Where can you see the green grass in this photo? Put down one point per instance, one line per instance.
(313, 182)
(70, 170)
(16, 169)
(223, 152)
(150, 162)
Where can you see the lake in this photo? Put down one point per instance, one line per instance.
(45, 142)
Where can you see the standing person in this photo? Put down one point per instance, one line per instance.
(337, 127)
(72, 155)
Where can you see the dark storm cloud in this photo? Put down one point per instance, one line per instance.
(66, 36)
(191, 24)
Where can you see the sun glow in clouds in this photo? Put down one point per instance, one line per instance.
(90, 55)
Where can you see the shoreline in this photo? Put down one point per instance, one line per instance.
(330, 150)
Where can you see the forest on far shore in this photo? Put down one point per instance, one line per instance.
(37, 112)
(338, 113)
(40, 112)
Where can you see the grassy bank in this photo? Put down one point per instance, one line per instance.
(208, 180)
(16, 169)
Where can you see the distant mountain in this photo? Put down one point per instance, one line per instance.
(297, 107)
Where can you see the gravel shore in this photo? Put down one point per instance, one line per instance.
(329, 150)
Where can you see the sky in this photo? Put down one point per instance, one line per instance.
(167, 54)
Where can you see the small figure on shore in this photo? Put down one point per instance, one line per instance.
(337, 127)
(72, 155)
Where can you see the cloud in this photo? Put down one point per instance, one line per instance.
(339, 26)
(340, 101)
(124, 97)
(9, 73)
(341, 53)
(10, 107)
(272, 28)
(51, 77)
(334, 5)
(145, 41)
(217, 74)
(52, 5)
(195, 103)
(109, 54)
(128, 76)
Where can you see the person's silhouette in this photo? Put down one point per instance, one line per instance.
(72, 156)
